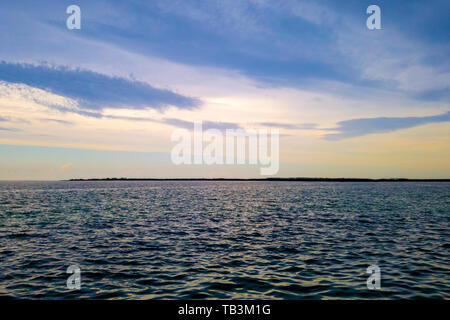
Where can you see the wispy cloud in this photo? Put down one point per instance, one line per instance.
(287, 43)
(205, 124)
(236, 35)
(140, 119)
(92, 90)
(13, 119)
(169, 121)
(85, 113)
(301, 126)
(57, 121)
(9, 129)
(361, 127)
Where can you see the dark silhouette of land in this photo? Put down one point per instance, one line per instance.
(268, 179)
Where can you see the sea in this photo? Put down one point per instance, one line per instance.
(224, 240)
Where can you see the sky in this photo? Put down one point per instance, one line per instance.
(104, 100)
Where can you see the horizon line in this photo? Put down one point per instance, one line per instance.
(271, 179)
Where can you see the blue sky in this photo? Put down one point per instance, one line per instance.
(138, 69)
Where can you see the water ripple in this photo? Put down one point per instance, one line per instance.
(227, 240)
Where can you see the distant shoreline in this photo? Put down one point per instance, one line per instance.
(268, 179)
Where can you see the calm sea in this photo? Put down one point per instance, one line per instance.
(213, 240)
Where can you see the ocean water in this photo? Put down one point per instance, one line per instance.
(224, 240)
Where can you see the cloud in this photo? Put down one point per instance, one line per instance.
(205, 124)
(269, 43)
(434, 95)
(9, 129)
(99, 115)
(361, 127)
(85, 113)
(94, 91)
(284, 42)
(170, 121)
(302, 126)
(10, 119)
(144, 119)
(279, 43)
(58, 121)
(66, 166)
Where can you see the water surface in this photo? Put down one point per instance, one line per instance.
(205, 239)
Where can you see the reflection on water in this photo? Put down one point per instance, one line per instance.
(267, 240)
